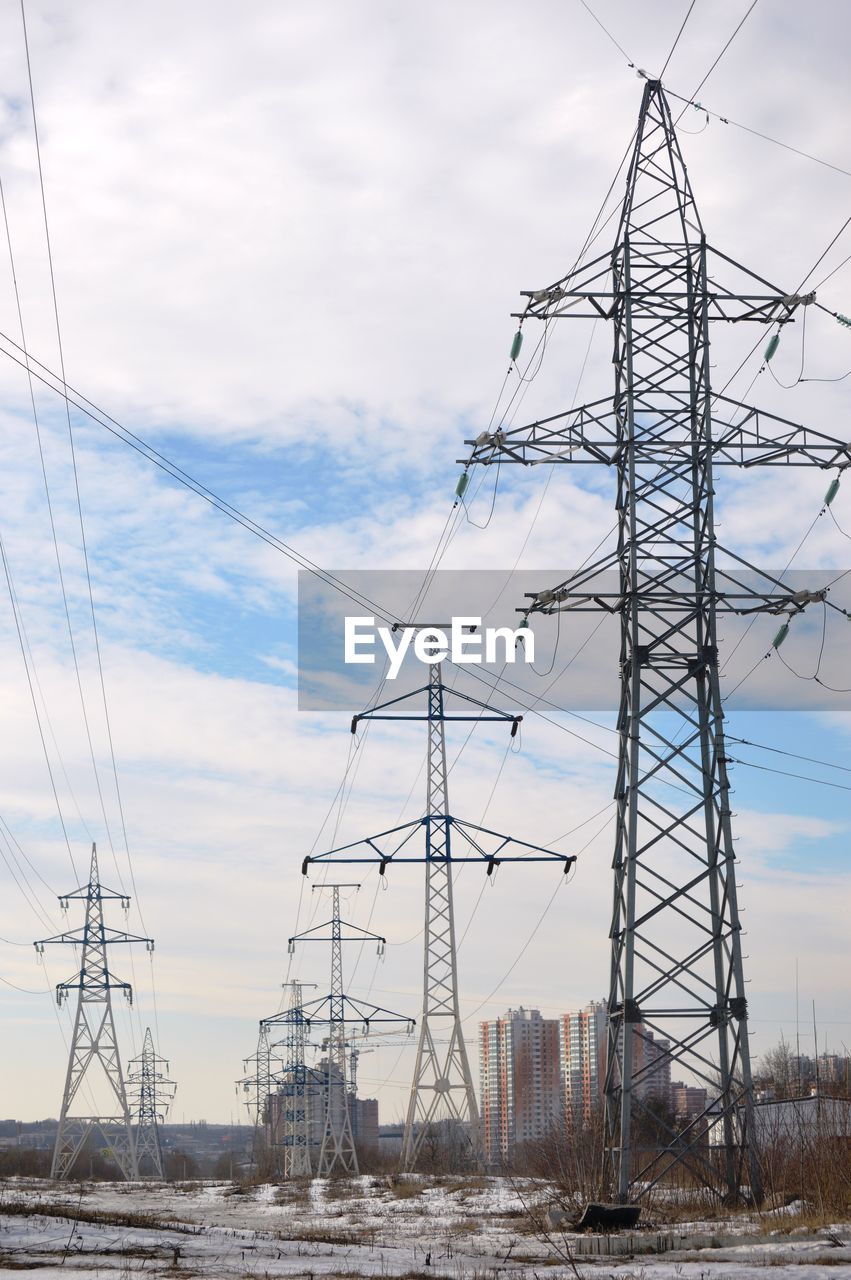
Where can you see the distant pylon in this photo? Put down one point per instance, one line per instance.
(94, 1043)
(297, 1094)
(259, 1085)
(297, 1085)
(337, 1152)
(150, 1093)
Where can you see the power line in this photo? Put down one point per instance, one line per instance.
(677, 40)
(784, 773)
(694, 94)
(777, 142)
(35, 706)
(761, 746)
(607, 32)
(99, 416)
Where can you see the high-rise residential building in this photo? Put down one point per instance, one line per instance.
(652, 1066)
(520, 1080)
(687, 1101)
(583, 1061)
(584, 1056)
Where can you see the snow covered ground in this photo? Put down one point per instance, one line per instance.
(419, 1229)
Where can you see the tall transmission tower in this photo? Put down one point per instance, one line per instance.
(442, 1087)
(338, 1010)
(150, 1094)
(94, 1060)
(676, 958)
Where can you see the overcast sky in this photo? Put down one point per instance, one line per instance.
(287, 241)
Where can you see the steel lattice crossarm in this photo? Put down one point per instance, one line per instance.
(587, 292)
(351, 1012)
(743, 436)
(94, 974)
(479, 712)
(739, 588)
(480, 844)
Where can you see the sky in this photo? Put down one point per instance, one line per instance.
(286, 244)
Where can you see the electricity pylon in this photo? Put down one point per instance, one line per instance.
(263, 1070)
(94, 1043)
(297, 1085)
(676, 959)
(150, 1094)
(337, 1010)
(296, 1091)
(442, 1087)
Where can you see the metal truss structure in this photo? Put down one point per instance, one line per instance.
(297, 1086)
(337, 1153)
(263, 1073)
(442, 1087)
(94, 1058)
(150, 1094)
(676, 959)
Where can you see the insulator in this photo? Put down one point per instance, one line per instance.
(843, 320)
(773, 344)
(524, 625)
(781, 636)
(517, 344)
(832, 491)
(461, 486)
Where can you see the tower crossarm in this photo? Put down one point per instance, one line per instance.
(485, 712)
(740, 588)
(740, 435)
(588, 292)
(350, 1011)
(353, 934)
(479, 844)
(79, 937)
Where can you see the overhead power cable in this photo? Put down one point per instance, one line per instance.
(757, 133)
(35, 708)
(677, 40)
(99, 416)
(730, 40)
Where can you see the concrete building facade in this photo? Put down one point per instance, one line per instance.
(520, 1087)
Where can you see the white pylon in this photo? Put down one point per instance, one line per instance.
(94, 1052)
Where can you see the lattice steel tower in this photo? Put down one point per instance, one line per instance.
(150, 1093)
(263, 1075)
(94, 1058)
(297, 1080)
(338, 1010)
(442, 1087)
(296, 1084)
(676, 960)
